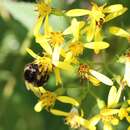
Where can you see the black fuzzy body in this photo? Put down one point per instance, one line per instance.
(34, 76)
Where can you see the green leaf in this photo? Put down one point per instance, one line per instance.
(23, 12)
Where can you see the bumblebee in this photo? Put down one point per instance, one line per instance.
(35, 75)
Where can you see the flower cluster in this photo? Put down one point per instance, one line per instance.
(60, 54)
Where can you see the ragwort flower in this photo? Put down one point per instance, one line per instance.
(108, 114)
(74, 119)
(93, 76)
(76, 45)
(47, 100)
(126, 79)
(51, 62)
(119, 32)
(97, 16)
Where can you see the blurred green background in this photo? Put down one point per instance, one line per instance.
(17, 18)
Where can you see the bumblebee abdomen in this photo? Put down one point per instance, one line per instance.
(30, 72)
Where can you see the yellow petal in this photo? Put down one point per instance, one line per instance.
(118, 95)
(127, 73)
(98, 36)
(66, 99)
(94, 120)
(67, 31)
(115, 14)
(104, 79)
(38, 107)
(48, 2)
(100, 103)
(33, 54)
(58, 77)
(112, 96)
(44, 44)
(91, 30)
(77, 12)
(36, 90)
(64, 65)
(97, 46)
(119, 32)
(128, 109)
(58, 112)
(128, 102)
(128, 128)
(47, 27)
(75, 29)
(115, 121)
(107, 112)
(93, 80)
(128, 118)
(68, 57)
(56, 54)
(113, 8)
(38, 26)
(107, 126)
(87, 125)
(81, 112)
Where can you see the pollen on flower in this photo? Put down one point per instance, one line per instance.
(72, 120)
(128, 39)
(83, 69)
(122, 113)
(76, 48)
(48, 99)
(107, 118)
(44, 64)
(56, 38)
(43, 9)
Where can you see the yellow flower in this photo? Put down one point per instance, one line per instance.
(76, 46)
(51, 62)
(49, 36)
(75, 29)
(97, 16)
(47, 100)
(114, 96)
(93, 76)
(127, 69)
(124, 113)
(107, 117)
(74, 119)
(128, 128)
(108, 114)
(97, 46)
(119, 32)
(43, 8)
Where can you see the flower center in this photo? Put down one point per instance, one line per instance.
(128, 39)
(72, 120)
(106, 117)
(123, 113)
(76, 48)
(48, 99)
(44, 64)
(83, 70)
(43, 9)
(56, 38)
